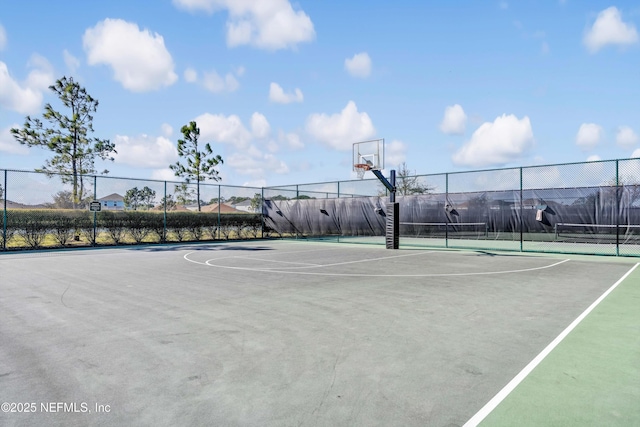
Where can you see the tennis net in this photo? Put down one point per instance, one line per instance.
(599, 232)
(452, 230)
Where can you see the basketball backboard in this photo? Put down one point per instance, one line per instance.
(369, 153)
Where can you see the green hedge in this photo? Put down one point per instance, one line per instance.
(40, 227)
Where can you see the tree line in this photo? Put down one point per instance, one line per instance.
(68, 134)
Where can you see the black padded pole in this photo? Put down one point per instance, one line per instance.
(392, 234)
(392, 229)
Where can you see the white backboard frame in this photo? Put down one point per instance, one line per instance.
(370, 153)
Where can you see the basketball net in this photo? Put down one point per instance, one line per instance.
(361, 168)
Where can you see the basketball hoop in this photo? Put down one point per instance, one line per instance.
(360, 169)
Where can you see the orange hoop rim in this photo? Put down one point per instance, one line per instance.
(364, 166)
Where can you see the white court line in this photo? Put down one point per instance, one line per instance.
(341, 263)
(305, 264)
(283, 271)
(208, 262)
(266, 260)
(502, 394)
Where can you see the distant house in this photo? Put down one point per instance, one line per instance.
(112, 202)
(244, 206)
(223, 208)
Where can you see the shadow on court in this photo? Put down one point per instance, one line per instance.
(235, 246)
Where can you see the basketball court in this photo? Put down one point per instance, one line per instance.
(280, 333)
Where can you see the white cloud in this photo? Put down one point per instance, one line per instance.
(266, 24)
(359, 65)
(145, 151)
(8, 143)
(167, 130)
(215, 83)
(593, 158)
(636, 153)
(626, 137)
(42, 74)
(395, 154)
(292, 140)
(277, 94)
(190, 75)
(70, 61)
(255, 163)
(504, 140)
(609, 29)
(3, 38)
(165, 174)
(258, 183)
(223, 129)
(542, 177)
(342, 129)
(589, 135)
(272, 146)
(454, 120)
(260, 125)
(139, 59)
(26, 97)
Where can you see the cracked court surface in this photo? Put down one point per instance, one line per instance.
(279, 333)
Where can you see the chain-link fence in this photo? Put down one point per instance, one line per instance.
(591, 208)
(49, 210)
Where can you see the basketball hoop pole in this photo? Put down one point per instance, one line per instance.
(392, 232)
(369, 156)
(391, 186)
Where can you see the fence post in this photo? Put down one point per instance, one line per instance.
(4, 213)
(262, 212)
(219, 203)
(95, 214)
(521, 212)
(446, 201)
(617, 208)
(164, 215)
(338, 189)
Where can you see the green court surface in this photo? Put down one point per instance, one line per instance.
(592, 378)
(299, 333)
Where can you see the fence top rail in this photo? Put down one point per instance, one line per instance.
(467, 172)
(131, 179)
(283, 187)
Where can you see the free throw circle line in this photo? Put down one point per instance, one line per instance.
(208, 262)
(312, 273)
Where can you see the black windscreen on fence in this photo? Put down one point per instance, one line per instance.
(575, 208)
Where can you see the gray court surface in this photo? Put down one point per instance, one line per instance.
(277, 333)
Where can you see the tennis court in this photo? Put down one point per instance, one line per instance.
(283, 333)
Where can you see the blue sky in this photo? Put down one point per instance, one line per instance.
(282, 89)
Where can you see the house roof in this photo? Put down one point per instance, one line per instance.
(224, 208)
(114, 197)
